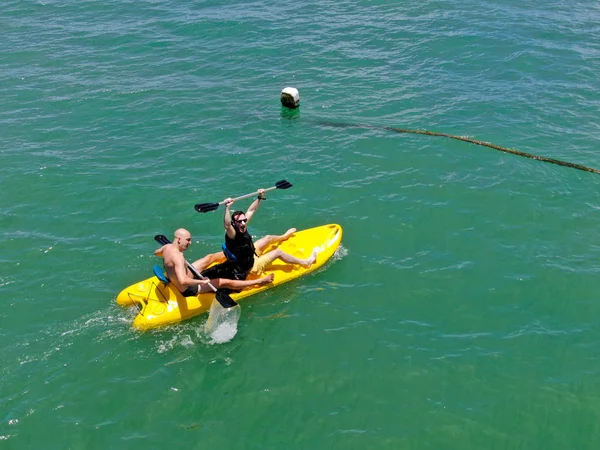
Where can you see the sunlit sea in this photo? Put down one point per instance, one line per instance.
(461, 311)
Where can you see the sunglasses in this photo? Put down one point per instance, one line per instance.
(242, 221)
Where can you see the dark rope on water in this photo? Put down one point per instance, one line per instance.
(471, 141)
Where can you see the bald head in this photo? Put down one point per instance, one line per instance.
(182, 233)
(183, 239)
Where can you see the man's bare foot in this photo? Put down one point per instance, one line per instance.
(310, 261)
(266, 280)
(288, 233)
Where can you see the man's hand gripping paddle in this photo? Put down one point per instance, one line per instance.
(207, 207)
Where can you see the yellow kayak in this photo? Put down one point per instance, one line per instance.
(162, 304)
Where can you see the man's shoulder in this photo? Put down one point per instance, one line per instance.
(170, 251)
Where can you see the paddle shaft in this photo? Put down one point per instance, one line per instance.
(197, 274)
(207, 207)
(242, 197)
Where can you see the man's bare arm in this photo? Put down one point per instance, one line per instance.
(255, 204)
(159, 251)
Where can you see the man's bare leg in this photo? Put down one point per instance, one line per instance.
(263, 242)
(207, 260)
(236, 284)
(286, 257)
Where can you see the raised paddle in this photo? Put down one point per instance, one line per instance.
(207, 207)
(222, 297)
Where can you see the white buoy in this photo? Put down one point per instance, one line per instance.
(290, 97)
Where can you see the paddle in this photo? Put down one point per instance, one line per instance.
(207, 207)
(222, 297)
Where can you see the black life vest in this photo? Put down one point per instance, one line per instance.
(242, 249)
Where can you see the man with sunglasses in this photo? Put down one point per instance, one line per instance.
(243, 255)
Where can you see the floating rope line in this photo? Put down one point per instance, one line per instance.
(471, 141)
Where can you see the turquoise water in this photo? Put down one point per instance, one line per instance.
(461, 312)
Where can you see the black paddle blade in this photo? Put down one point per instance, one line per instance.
(162, 239)
(283, 184)
(225, 299)
(206, 207)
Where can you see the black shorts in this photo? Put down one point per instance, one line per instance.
(229, 269)
(191, 291)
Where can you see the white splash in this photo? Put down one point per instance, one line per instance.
(340, 252)
(221, 325)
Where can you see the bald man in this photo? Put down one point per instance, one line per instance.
(183, 279)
